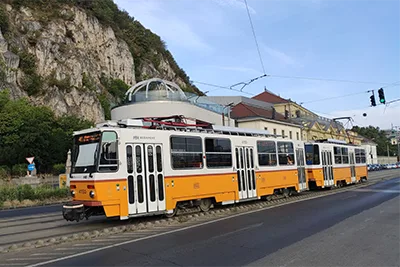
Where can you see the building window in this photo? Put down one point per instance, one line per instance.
(218, 153)
(286, 153)
(283, 133)
(186, 152)
(266, 153)
(274, 131)
(297, 135)
(266, 128)
(290, 135)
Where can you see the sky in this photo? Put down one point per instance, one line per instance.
(351, 40)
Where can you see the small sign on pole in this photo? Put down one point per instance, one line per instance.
(30, 160)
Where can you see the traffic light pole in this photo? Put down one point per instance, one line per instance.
(396, 128)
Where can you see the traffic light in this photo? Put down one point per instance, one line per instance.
(381, 96)
(372, 97)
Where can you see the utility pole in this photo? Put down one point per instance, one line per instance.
(396, 131)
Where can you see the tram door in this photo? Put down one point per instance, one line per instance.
(301, 169)
(246, 177)
(327, 168)
(146, 191)
(352, 167)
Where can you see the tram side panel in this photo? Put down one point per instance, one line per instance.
(196, 171)
(269, 181)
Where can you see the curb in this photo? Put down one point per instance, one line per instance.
(85, 235)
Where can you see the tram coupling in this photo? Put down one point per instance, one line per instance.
(74, 212)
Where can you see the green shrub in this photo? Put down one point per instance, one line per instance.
(5, 172)
(24, 192)
(19, 170)
(105, 104)
(58, 168)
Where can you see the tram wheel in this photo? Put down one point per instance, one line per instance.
(286, 193)
(170, 215)
(205, 204)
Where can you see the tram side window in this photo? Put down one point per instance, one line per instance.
(345, 155)
(286, 153)
(363, 156)
(109, 152)
(312, 155)
(360, 155)
(218, 153)
(186, 152)
(266, 151)
(338, 155)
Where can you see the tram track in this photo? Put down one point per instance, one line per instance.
(41, 229)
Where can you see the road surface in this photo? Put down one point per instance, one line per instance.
(359, 227)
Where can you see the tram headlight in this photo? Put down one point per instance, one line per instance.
(91, 194)
(73, 193)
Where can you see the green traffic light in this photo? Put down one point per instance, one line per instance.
(382, 100)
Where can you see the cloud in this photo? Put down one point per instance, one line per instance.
(172, 29)
(279, 55)
(236, 4)
(376, 116)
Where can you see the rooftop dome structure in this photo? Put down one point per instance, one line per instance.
(155, 89)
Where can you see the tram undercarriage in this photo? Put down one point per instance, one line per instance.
(77, 211)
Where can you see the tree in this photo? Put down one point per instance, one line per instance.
(378, 136)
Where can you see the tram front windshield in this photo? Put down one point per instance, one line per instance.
(85, 152)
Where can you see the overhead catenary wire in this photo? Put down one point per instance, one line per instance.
(255, 37)
(221, 87)
(333, 97)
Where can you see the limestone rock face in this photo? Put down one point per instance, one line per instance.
(67, 51)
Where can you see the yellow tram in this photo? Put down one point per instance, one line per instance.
(141, 167)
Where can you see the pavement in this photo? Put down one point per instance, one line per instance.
(359, 227)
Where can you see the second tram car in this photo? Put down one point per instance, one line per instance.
(334, 163)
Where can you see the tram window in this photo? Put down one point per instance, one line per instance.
(159, 160)
(138, 159)
(109, 152)
(150, 158)
(129, 159)
(286, 153)
(360, 155)
(363, 156)
(338, 155)
(312, 155)
(345, 155)
(186, 152)
(266, 151)
(218, 152)
(160, 187)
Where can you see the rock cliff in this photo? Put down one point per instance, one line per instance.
(71, 61)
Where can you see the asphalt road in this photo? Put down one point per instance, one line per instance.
(354, 228)
(30, 211)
